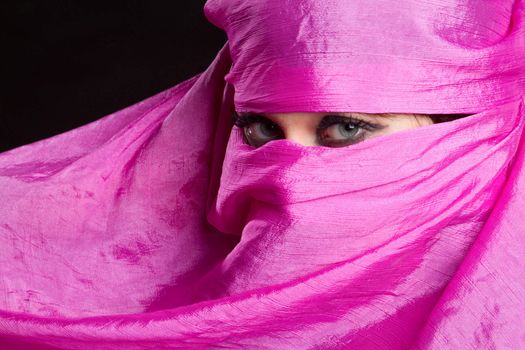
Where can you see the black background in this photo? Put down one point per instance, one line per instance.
(67, 63)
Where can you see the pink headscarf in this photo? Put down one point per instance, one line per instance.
(157, 227)
(373, 56)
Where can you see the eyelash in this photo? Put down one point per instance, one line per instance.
(245, 120)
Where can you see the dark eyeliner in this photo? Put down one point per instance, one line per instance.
(330, 120)
(244, 120)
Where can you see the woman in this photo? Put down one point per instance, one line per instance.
(164, 226)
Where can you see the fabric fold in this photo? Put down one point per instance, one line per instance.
(158, 227)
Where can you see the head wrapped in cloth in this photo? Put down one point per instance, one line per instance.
(382, 56)
(401, 228)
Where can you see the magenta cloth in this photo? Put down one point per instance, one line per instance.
(156, 227)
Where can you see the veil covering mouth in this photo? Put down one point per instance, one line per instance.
(157, 227)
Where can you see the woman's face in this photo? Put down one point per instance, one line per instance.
(335, 129)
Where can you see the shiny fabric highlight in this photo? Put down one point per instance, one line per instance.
(156, 227)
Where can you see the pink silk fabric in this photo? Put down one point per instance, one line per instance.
(157, 227)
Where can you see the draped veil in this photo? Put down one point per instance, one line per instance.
(156, 227)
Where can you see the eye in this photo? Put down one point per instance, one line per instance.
(340, 131)
(258, 130)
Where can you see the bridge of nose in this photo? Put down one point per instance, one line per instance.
(299, 127)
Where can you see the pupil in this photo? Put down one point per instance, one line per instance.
(268, 129)
(349, 127)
